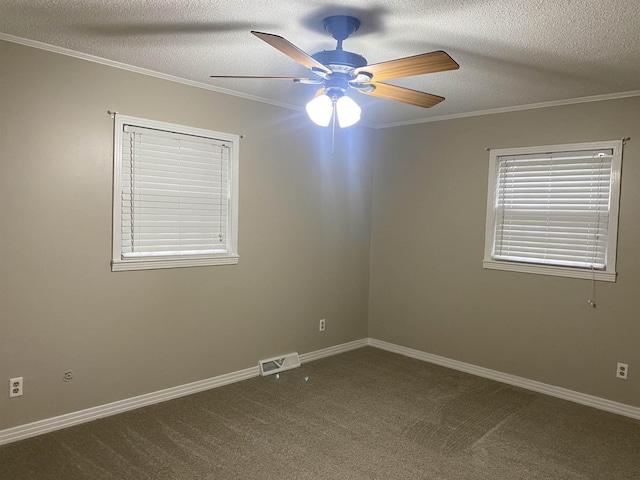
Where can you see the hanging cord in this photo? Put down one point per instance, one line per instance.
(333, 127)
(592, 297)
(225, 154)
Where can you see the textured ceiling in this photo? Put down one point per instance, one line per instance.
(511, 52)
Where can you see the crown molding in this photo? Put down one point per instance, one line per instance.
(172, 78)
(515, 108)
(143, 71)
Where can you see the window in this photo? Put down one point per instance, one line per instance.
(554, 210)
(175, 201)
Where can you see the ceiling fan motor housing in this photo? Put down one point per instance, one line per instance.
(340, 58)
(337, 85)
(341, 63)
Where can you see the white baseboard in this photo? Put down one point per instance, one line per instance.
(563, 393)
(74, 418)
(63, 421)
(336, 349)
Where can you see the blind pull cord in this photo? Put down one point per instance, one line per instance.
(592, 296)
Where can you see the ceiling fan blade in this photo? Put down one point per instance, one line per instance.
(404, 95)
(405, 67)
(289, 49)
(306, 81)
(259, 77)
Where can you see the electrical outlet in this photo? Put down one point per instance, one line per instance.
(322, 325)
(15, 387)
(623, 371)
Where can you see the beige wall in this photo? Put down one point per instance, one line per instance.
(304, 241)
(305, 232)
(428, 289)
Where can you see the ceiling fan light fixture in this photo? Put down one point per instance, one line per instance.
(347, 111)
(320, 110)
(338, 71)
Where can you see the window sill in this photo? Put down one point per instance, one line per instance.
(155, 263)
(550, 270)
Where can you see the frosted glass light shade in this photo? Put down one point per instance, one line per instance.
(320, 110)
(348, 111)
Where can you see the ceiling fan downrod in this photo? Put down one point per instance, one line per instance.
(340, 61)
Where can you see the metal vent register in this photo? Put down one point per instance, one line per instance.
(279, 364)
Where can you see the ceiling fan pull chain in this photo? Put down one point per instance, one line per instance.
(333, 129)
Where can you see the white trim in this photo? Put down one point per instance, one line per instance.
(63, 421)
(40, 427)
(151, 264)
(515, 108)
(131, 68)
(118, 261)
(123, 66)
(75, 418)
(549, 270)
(551, 390)
(334, 350)
(609, 273)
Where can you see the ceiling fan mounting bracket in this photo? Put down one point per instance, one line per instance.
(341, 26)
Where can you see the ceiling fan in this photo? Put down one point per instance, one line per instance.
(339, 71)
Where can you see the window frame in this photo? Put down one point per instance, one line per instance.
(609, 272)
(118, 261)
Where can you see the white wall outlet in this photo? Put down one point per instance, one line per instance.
(322, 325)
(623, 371)
(15, 387)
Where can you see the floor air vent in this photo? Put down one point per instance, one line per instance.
(279, 364)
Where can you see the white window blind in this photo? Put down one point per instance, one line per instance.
(175, 194)
(554, 209)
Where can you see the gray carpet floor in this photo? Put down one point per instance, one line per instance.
(365, 414)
